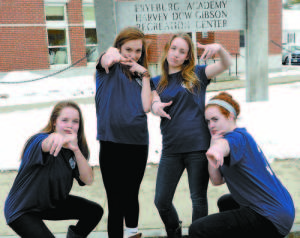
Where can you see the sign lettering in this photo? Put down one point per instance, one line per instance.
(168, 16)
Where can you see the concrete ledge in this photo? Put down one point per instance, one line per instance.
(218, 86)
(30, 106)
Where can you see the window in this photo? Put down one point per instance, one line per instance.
(90, 33)
(88, 13)
(58, 46)
(58, 50)
(54, 13)
(91, 44)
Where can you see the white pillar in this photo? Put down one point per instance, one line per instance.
(257, 50)
(105, 23)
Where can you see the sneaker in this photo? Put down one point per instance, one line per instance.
(137, 235)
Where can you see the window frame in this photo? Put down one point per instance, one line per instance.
(88, 24)
(59, 25)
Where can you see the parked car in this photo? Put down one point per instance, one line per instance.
(293, 51)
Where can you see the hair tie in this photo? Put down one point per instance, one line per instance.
(223, 104)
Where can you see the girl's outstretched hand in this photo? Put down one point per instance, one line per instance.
(111, 57)
(55, 141)
(158, 108)
(134, 67)
(215, 158)
(209, 50)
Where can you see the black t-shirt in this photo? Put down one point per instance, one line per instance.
(42, 180)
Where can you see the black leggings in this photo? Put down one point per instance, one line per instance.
(122, 167)
(88, 214)
(233, 221)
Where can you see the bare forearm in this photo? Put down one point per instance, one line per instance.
(146, 94)
(85, 170)
(215, 175)
(221, 145)
(225, 58)
(103, 60)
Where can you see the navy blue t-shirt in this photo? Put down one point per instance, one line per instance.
(187, 130)
(252, 182)
(120, 114)
(42, 180)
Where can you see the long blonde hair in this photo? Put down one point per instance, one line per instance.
(191, 81)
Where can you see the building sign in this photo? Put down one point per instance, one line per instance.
(165, 16)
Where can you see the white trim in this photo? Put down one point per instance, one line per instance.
(75, 24)
(56, 24)
(89, 24)
(87, 1)
(68, 37)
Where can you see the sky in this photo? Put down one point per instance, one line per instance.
(274, 124)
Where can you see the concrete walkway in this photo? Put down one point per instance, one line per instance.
(159, 233)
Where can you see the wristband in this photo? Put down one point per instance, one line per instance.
(144, 74)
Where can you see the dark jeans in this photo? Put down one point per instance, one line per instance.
(122, 167)
(88, 214)
(233, 221)
(169, 173)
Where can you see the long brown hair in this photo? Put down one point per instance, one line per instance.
(50, 127)
(128, 34)
(191, 80)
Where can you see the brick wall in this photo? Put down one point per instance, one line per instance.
(22, 35)
(156, 46)
(275, 26)
(76, 32)
(230, 40)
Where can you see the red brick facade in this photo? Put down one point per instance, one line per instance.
(76, 33)
(24, 42)
(275, 26)
(23, 36)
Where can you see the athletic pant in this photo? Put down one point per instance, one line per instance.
(233, 221)
(122, 167)
(88, 214)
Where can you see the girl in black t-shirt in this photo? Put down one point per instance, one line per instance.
(51, 160)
